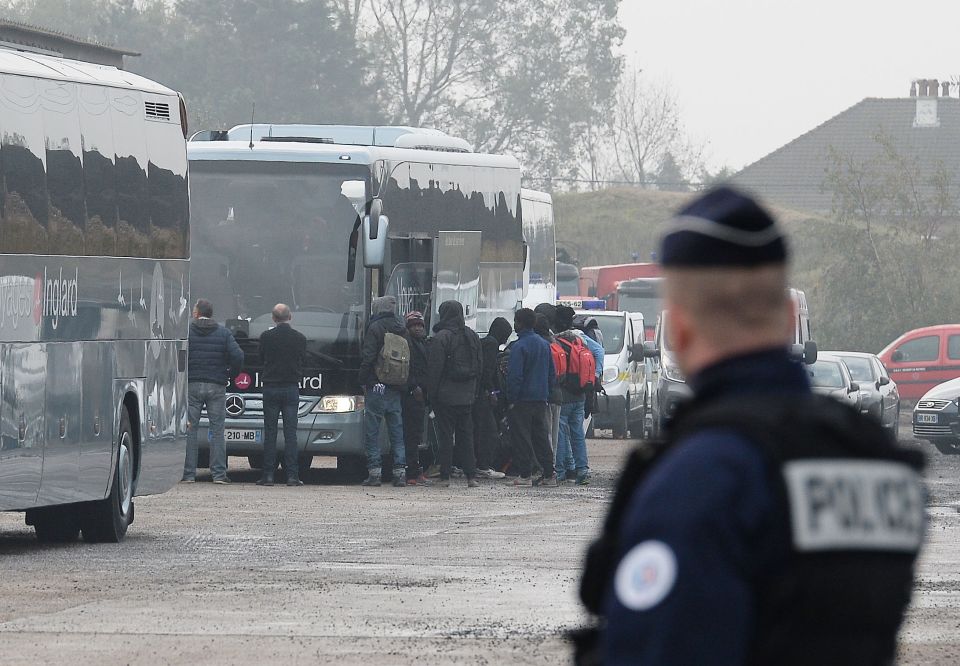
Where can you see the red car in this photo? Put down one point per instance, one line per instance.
(922, 358)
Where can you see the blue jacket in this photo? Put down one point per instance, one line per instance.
(530, 372)
(215, 356)
(697, 533)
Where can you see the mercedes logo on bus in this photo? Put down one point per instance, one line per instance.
(234, 405)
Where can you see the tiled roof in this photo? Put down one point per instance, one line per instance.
(794, 174)
(39, 31)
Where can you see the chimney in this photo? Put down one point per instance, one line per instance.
(922, 88)
(913, 89)
(946, 88)
(934, 87)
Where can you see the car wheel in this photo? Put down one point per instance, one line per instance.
(107, 520)
(621, 428)
(55, 524)
(950, 447)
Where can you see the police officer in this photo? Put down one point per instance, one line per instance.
(772, 526)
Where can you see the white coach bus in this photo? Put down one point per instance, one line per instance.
(94, 247)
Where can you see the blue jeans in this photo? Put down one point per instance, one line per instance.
(383, 407)
(572, 447)
(213, 397)
(279, 400)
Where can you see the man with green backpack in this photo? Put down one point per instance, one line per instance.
(384, 372)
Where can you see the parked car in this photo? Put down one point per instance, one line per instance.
(923, 358)
(936, 418)
(668, 386)
(879, 396)
(830, 376)
(623, 407)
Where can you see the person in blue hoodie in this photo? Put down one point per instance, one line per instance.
(530, 378)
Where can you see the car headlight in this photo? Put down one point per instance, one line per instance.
(673, 372)
(338, 404)
(610, 375)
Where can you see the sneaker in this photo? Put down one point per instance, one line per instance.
(433, 472)
(371, 481)
(419, 481)
(399, 481)
(456, 473)
(490, 474)
(265, 481)
(225, 481)
(546, 481)
(583, 479)
(442, 483)
(521, 481)
(294, 482)
(188, 480)
(473, 483)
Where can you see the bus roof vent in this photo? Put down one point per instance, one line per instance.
(439, 142)
(157, 110)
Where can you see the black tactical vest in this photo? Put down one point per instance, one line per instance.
(850, 506)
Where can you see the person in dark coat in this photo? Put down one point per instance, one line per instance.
(214, 358)
(485, 427)
(383, 402)
(282, 349)
(415, 398)
(530, 378)
(454, 369)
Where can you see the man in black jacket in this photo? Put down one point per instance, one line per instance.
(282, 349)
(454, 368)
(486, 431)
(383, 402)
(415, 398)
(214, 358)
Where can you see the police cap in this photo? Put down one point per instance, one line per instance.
(722, 228)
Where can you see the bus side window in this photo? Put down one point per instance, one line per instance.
(130, 169)
(167, 186)
(67, 216)
(100, 234)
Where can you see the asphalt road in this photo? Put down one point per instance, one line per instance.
(335, 573)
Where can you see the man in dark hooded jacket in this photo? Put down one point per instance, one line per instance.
(486, 430)
(215, 358)
(415, 398)
(383, 402)
(454, 369)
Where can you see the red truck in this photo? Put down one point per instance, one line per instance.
(602, 281)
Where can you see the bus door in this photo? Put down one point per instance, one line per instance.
(456, 275)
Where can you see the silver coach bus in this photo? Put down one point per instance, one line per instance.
(325, 218)
(94, 246)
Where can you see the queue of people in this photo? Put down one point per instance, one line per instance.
(494, 409)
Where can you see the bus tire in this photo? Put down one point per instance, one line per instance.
(55, 524)
(107, 520)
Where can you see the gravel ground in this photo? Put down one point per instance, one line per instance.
(335, 572)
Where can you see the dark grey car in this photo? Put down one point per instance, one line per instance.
(668, 386)
(879, 396)
(830, 376)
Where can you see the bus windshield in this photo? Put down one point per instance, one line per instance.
(648, 306)
(278, 232)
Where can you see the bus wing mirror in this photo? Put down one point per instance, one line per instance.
(375, 246)
(372, 222)
(650, 349)
(809, 352)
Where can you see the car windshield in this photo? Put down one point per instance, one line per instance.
(612, 327)
(825, 374)
(649, 306)
(859, 368)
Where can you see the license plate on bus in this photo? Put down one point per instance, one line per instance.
(926, 418)
(240, 435)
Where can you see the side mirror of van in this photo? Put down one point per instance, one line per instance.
(896, 356)
(650, 349)
(883, 381)
(809, 352)
(854, 387)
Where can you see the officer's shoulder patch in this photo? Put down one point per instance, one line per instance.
(645, 575)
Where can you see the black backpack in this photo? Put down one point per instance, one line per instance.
(464, 357)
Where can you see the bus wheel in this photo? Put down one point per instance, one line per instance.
(55, 524)
(107, 520)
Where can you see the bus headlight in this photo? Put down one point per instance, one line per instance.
(610, 375)
(338, 404)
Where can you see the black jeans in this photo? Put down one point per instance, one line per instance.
(414, 412)
(530, 437)
(277, 400)
(486, 432)
(455, 428)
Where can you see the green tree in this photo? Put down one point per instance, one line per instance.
(669, 177)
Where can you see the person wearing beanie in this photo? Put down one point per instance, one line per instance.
(486, 429)
(544, 326)
(762, 530)
(383, 397)
(415, 398)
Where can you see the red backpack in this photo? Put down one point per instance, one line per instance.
(576, 369)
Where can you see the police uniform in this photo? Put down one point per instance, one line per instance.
(772, 526)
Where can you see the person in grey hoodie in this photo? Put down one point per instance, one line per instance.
(383, 403)
(214, 358)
